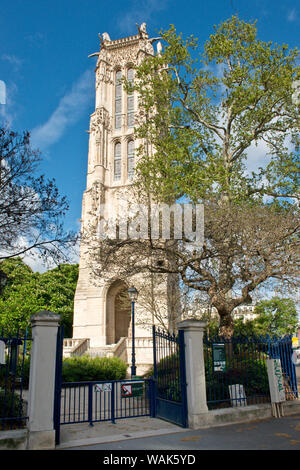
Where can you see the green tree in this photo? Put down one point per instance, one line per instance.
(276, 317)
(202, 110)
(200, 114)
(27, 292)
(31, 208)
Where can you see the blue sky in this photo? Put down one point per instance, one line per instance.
(44, 48)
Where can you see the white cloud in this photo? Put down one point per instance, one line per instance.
(15, 61)
(292, 15)
(257, 156)
(69, 110)
(8, 110)
(141, 11)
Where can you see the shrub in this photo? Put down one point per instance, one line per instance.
(85, 368)
(20, 376)
(251, 373)
(11, 406)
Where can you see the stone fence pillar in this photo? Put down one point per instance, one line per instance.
(42, 380)
(195, 369)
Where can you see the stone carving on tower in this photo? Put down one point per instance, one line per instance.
(102, 324)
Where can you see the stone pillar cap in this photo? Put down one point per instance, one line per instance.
(191, 324)
(45, 316)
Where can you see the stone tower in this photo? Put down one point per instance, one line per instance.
(102, 325)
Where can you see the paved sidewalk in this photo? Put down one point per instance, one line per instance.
(74, 435)
(139, 433)
(269, 434)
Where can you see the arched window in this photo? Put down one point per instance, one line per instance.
(118, 100)
(117, 161)
(130, 159)
(130, 100)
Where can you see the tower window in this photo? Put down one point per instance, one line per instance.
(130, 101)
(130, 159)
(117, 161)
(118, 101)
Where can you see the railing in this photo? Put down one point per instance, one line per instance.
(75, 347)
(236, 370)
(105, 401)
(111, 350)
(121, 349)
(14, 361)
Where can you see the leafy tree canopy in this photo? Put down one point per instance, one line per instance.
(31, 207)
(27, 292)
(277, 316)
(203, 110)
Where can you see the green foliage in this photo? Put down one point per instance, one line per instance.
(276, 317)
(76, 369)
(11, 406)
(22, 372)
(204, 110)
(247, 328)
(27, 292)
(85, 368)
(168, 377)
(249, 372)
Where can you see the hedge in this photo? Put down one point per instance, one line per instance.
(85, 368)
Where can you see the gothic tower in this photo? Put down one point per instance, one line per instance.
(102, 324)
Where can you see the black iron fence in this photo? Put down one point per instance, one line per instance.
(105, 401)
(167, 365)
(170, 376)
(236, 370)
(14, 375)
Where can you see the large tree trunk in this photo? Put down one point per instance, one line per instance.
(226, 325)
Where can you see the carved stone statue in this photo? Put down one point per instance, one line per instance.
(106, 37)
(142, 29)
(159, 48)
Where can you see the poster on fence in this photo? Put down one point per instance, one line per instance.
(277, 390)
(219, 357)
(237, 395)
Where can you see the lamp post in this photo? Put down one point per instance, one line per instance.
(133, 295)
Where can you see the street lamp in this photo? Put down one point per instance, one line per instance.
(133, 295)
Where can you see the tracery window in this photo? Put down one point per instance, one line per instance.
(118, 100)
(117, 161)
(130, 159)
(130, 100)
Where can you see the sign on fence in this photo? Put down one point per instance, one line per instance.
(107, 387)
(277, 390)
(219, 357)
(237, 395)
(132, 389)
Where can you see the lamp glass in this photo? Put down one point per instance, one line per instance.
(133, 293)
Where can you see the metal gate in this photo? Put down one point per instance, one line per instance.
(170, 377)
(97, 401)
